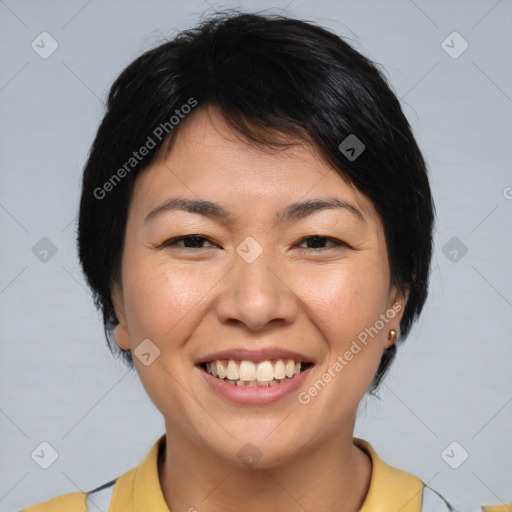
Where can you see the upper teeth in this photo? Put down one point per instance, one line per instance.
(248, 371)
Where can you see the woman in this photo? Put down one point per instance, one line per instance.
(256, 227)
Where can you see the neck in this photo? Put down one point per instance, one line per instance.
(334, 475)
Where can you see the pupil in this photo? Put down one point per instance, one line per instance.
(317, 241)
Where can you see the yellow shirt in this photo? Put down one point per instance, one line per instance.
(138, 490)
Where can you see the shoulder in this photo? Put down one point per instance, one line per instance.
(396, 489)
(137, 485)
(98, 499)
(71, 502)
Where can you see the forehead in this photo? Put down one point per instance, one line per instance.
(209, 160)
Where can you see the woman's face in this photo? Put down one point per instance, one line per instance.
(257, 282)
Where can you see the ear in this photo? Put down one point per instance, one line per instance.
(395, 312)
(121, 335)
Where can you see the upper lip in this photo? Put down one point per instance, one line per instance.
(255, 355)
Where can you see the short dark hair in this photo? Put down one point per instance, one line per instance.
(267, 75)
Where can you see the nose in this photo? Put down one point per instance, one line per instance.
(257, 294)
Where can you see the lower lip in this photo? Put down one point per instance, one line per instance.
(255, 395)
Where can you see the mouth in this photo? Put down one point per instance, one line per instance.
(264, 373)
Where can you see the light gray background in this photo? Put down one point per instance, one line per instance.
(452, 379)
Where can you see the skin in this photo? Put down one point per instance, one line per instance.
(192, 299)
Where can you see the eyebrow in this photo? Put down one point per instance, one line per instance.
(213, 210)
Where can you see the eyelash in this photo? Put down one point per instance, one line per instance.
(173, 241)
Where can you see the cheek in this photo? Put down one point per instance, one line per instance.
(161, 299)
(346, 304)
(347, 299)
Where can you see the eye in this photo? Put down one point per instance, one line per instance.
(192, 241)
(318, 241)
